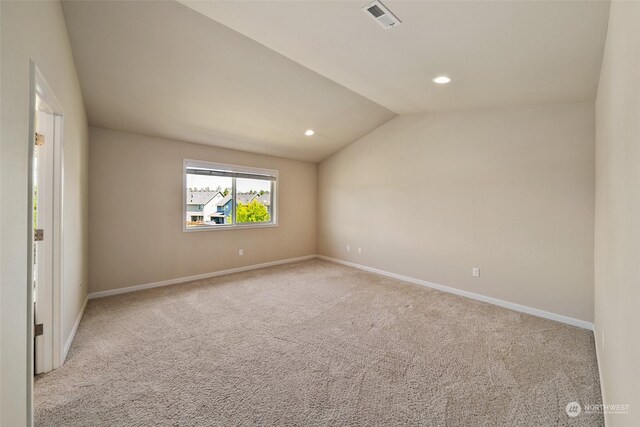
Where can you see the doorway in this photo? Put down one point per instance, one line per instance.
(45, 222)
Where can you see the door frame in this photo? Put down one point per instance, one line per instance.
(40, 88)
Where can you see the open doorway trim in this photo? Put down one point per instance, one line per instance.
(40, 88)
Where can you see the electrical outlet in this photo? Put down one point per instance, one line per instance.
(359, 250)
(241, 252)
(475, 271)
(348, 248)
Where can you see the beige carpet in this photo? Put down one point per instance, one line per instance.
(315, 343)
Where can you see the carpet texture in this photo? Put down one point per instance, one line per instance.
(316, 343)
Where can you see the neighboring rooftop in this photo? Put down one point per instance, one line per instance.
(245, 198)
(265, 199)
(224, 200)
(200, 197)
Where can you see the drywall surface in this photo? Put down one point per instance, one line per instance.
(617, 237)
(136, 208)
(36, 31)
(509, 191)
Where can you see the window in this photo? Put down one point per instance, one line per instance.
(219, 196)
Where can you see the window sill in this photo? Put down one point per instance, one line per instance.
(228, 227)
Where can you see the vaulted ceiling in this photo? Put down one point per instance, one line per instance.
(162, 69)
(498, 53)
(254, 75)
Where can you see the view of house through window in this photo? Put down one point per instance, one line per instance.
(218, 195)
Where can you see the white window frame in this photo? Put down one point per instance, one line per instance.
(191, 163)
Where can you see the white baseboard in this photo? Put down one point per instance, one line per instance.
(67, 344)
(178, 280)
(479, 297)
(495, 301)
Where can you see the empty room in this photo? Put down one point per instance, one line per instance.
(319, 213)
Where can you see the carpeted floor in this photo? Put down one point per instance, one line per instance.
(316, 343)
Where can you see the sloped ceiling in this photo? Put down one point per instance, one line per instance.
(162, 69)
(254, 75)
(498, 53)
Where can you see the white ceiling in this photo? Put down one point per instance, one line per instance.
(254, 75)
(499, 53)
(162, 69)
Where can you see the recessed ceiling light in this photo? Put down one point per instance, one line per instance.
(309, 132)
(442, 80)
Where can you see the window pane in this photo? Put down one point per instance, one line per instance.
(208, 201)
(253, 200)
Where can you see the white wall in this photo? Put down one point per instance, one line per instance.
(510, 191)
(136, 203)
(1, 235)
(36, 30)
(617, 218)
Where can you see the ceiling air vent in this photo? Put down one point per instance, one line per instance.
(381, 14)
